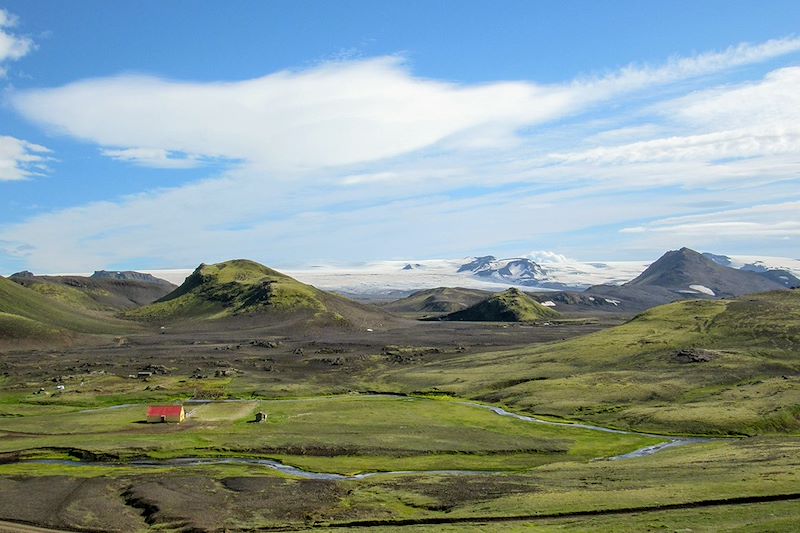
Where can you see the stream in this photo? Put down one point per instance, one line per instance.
(671, 442)
(267, 463)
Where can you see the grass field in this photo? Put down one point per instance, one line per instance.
(349, 434)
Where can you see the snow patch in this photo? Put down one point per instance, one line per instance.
(702, 289)
(612, 302)
(549, 303)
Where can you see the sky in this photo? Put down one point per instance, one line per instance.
(150, 134)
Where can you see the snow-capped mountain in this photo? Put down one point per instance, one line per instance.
(516, 271)
(396, 278)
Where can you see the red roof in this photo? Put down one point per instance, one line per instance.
(164, 410)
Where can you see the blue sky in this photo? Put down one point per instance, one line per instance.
(163, 134)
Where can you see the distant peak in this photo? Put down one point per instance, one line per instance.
(126, 275)
(513, 291)
(688, 251)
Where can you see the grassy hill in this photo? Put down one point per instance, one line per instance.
(438, 300)
(25, 313)
(710, 366)
(511, 305)
(245, 288)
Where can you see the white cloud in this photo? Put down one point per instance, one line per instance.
(12, 47)
(544, 256)
(341, 113)
(335, 114)
(739, 143)
(153, 158)
(775, 100)
(733, 132)
(20, 159)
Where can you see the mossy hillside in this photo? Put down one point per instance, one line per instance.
(630, 376)
(19, 327)
(51, 314)
(233, 288)
(70, 296)
(511, 305)
(96, 294)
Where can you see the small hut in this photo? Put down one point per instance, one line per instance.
(260, 417)
(165, 413)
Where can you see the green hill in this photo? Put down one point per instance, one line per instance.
(245, 288)
(28, 314)
(511, 305)
(438, 300)
(724, 366)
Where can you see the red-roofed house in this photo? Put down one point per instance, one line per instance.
(165, 413)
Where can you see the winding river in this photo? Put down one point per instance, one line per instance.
(671, 442)
(267, 463)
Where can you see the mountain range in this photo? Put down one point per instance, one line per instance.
(242, 288)
(389, 280)
(677, 275)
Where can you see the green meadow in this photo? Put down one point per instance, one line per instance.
(344, 434)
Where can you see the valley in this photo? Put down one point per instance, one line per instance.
(492, 409)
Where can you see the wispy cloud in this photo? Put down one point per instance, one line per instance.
(781, 220)
(20, 159)
(153, 157)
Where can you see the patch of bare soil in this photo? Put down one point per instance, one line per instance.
(456, 491)
(203, 504)
(67, 503)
